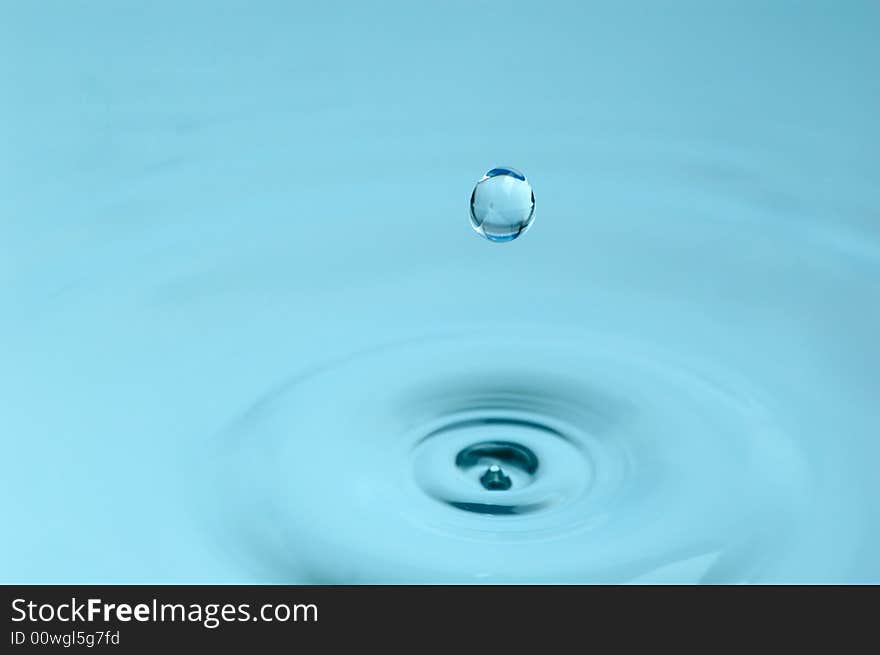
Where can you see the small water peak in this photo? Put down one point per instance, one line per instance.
(504, 464)
(495, 479)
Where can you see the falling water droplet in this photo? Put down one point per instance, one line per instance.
(502, 205)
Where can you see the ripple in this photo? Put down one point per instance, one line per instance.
(641, 463)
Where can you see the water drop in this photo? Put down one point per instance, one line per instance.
(502, 204)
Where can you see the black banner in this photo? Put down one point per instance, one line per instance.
(149, 618)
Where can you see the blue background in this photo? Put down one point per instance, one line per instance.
(198, 199)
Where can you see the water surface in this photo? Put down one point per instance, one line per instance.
(247, 327)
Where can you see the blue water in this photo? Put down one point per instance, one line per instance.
(247, 328)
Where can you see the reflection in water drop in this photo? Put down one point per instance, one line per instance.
(502, 205)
